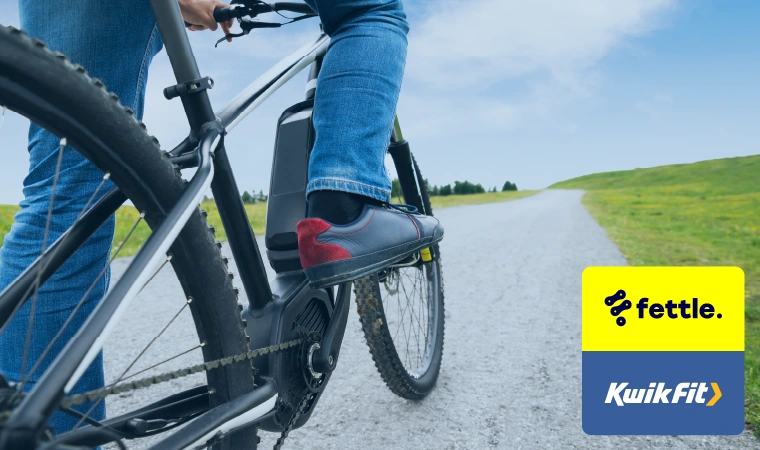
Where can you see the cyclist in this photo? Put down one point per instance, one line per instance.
(349, 226)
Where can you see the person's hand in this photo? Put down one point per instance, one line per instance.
(200, 13)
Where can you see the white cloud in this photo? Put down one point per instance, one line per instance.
(465, 52)
(471, 44)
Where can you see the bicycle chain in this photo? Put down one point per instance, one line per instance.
(98, 394)
(173, 375)
(296, 414)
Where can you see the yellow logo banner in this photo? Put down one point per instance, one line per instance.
(663, 309)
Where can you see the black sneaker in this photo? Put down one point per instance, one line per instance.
(380, 236)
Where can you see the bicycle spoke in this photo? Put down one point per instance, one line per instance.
(33, 308)
(419, 324)
(142, 352)
(106, 177)
(416, 314)
(165, 361)
(44, 261)
(413, 328)
(412, 315)
(78, 306)
(168, 258)
(411, 324)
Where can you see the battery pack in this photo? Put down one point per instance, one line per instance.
(287, 191)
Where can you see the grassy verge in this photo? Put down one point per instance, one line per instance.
(706, 213)
(477, 199)
(127, 216)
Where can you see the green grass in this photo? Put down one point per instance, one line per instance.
(6, 220)
(126, 217)
(706, 213)
(477, 199)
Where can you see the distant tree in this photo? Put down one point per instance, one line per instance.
(494, 189)
(466, 188)
(395, 188)
(445, 190)
(247, 197)
(205, 199)
(509, 186)
(434, 191)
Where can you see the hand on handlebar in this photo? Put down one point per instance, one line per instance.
(200, 14)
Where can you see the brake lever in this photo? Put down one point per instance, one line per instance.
(247, 25)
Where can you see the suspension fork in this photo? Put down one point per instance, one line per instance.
(407, 176)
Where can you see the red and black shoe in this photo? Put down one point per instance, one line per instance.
(381, 235)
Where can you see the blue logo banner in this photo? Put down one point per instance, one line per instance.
(640, 393)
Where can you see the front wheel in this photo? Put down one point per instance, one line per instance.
(401, 311)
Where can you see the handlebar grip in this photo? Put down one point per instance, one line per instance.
(296, 7)
(224, 14)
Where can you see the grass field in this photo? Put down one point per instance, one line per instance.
(127, 216)
(706, 213)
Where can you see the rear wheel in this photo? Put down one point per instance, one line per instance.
(401, 311)
(59, 96)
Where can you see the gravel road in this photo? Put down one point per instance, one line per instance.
(511, 373)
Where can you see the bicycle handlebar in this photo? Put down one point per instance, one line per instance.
(238, 11)
(296, 7)
(224, 14)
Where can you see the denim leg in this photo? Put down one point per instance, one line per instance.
(114, 41)
(357, 92)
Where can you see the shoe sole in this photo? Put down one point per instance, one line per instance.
(337, 272)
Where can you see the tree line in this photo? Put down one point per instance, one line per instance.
(253, 198)
(459, 188)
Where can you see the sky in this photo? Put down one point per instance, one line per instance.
(495, 90)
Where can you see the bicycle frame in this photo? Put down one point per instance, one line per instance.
(204, 148)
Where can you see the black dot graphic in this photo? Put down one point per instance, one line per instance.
(620, 321)
(720, 316)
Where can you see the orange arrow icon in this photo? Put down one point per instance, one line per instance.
(716, 396)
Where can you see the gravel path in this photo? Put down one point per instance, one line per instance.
(511, 373)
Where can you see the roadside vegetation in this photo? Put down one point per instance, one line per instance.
(255, 206)
(705, 213)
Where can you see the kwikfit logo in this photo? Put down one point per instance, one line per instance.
(621, 394)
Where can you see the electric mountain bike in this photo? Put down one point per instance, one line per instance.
(266, 364)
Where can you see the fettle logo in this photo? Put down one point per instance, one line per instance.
(656, 393)
(683, 309)
(616, 310)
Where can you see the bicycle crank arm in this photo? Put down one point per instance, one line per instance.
(224, 419)
(326, 357)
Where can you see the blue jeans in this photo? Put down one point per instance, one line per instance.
(354, 108)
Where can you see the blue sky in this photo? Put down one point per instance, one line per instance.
(531, 92)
